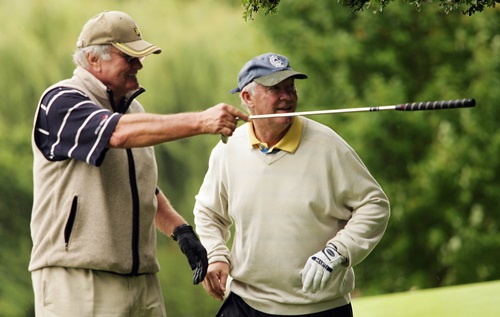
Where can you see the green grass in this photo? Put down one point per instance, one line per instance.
(481, 299)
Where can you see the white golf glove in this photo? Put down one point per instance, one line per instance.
(319, 268)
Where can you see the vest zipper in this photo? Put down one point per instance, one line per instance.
(133, 183)
(70, 223)
(135, 213)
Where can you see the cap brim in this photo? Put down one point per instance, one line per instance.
(278, 77)
(235, 90)
(274, 79)
(138, 48)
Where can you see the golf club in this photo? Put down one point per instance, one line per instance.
(415, 106)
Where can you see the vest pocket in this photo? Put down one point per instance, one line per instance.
(71, 221)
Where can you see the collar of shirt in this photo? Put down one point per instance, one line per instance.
(288, 143)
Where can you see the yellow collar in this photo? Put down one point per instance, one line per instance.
(288, 143)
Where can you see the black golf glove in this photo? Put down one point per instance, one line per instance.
(193, 249)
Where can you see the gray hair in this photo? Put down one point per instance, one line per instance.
(103, 52)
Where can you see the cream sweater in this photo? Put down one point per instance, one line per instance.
(284, 208)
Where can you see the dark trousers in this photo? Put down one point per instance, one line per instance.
(234, 306)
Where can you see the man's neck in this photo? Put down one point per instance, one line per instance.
(269, 136)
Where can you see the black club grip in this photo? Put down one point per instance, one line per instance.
(437, 105)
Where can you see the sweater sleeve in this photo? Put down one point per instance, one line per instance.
(211, 215)
(358, 192)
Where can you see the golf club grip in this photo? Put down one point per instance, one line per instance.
(436, 105)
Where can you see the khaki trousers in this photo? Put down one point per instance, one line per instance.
(64, 292)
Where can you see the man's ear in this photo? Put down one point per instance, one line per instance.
(247, 97)
(94, 61)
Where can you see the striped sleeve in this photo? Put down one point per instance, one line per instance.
(70, 125)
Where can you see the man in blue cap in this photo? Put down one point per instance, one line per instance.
(304, 207)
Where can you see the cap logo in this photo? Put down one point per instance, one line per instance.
(137, 32)
(276, 61)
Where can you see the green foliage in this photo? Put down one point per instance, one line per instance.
(439, 168)
(468, 7)
(182, 298)
(251, 6)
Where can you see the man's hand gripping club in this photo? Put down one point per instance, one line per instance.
(319, 268)
(193, 249)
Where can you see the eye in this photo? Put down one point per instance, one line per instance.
(290, 89)
(273, 89)
(130, 59)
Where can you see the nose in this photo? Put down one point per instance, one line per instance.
(136, 63)
(287, 93)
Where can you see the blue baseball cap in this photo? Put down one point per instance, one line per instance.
(267, 69)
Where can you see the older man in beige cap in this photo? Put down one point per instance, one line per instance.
(96, 203)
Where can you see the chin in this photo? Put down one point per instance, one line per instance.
(133, 86)
(284, 120)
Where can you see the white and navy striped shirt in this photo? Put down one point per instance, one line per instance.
(70, 125)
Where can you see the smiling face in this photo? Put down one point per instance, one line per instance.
(280, 98)
(119, 73)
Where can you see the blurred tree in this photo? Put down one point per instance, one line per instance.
(438, 168)
(469, 7)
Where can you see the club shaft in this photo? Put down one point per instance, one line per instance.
(415, 106)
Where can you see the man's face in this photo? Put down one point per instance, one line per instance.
(120, 73)
(281, 98)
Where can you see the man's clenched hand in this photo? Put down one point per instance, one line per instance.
(319, 268)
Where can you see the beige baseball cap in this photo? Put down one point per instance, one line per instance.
(118, 29)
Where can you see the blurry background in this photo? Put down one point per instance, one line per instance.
(440, 169)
